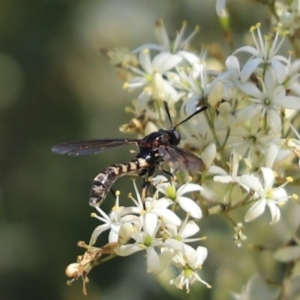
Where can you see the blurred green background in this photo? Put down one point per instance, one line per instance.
(55, 86)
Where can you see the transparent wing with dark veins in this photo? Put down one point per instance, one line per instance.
(87, 147)
(181, 159)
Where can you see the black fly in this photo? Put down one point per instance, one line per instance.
(154, 149)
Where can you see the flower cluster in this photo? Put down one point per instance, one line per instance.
(245, 137)
(251, 107)
(151, 226)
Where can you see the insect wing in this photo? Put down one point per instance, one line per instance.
(180, 159)
(91, 146)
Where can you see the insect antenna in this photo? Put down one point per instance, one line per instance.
(168, 113)
(198, 111)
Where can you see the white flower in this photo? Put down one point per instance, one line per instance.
(150, 77)
(292, 74)
(268, 101)
(146, 240)
(152, 205)
(113, 221)
(264, 52)
(252, 143)
(170, 192)
(194, 82)
(176, 46)
(198, 135)
(190, 260)
(232, 176)
(208, 157)
(186, 279)
(267, 195)
(291, 144)
(271, 154)
(235, 76)
(177, 239)
(289, 13)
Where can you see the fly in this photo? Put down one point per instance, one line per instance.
(154, 149)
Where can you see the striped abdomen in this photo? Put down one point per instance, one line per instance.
(104, 181)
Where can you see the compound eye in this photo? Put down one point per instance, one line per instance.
(176, 137)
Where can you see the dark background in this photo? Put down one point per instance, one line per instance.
(55, 86)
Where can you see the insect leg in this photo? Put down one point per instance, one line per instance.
(145, 187)
(171, 174)
(113, 192)
(147, 182)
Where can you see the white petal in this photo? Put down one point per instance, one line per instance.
(190, 255)
(251, 89)
(174, 244)
(114, 233)
(125, 233)
(145, 61)
(172, 229)
(274, 121)
(128, 249)
(291, 102)
(268, 175)
(190, 229)
(161, 182)
(190, 207)
(191, 58)
(189, 187)
(167, 216)
(150, 223)
(295, 87)
(137, 82)
(223, 179)
(190, 104)
(178, 281)
(209, 154)
(281, 59)
(255, 210)
(278, 91)
(248, 112)
(153, 263)
(148, 46)
(271, 155)
(280, 194)
(201, 254)
(97, 231)
(162, 203)
(270, 82)
(142, 101)
(249, 68)
(232, 63)
(275, 212)
(249, 49)
(216, 93)
(169, 92)
(158, 266)
(216, 170)
(252, 182)
(158, 85)
(165, 61)
(278, 70)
